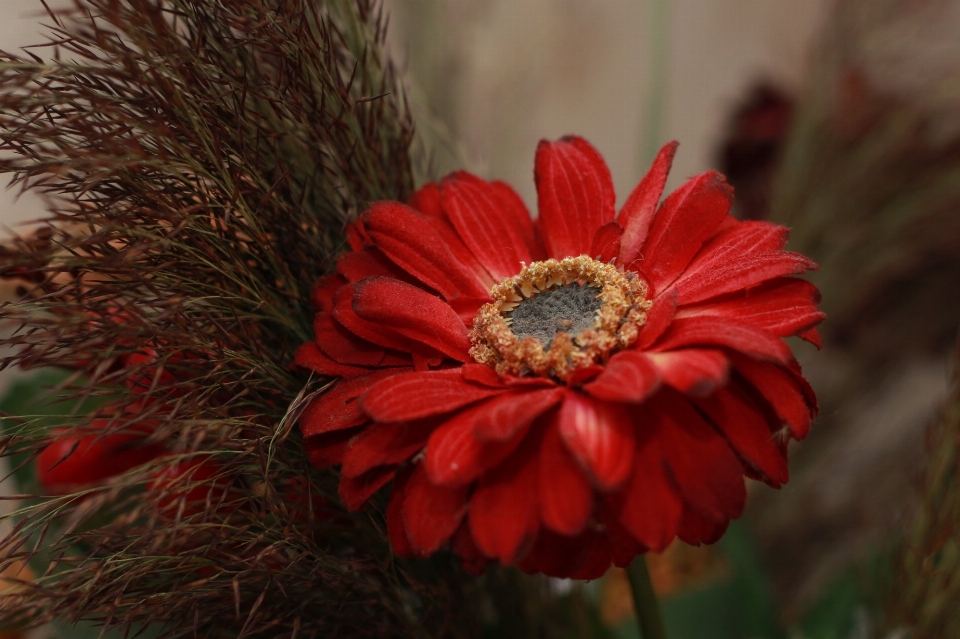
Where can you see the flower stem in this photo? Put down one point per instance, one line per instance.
(645, 601)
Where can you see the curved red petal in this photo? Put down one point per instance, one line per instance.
(337, 408)
(746, 429)
(606, 243)
(488, 228)
(651, 507)
(342, 345)
(310, 357)
(370, 331)
(601, 436)
(784, 307)
(504, 513)
(720, 331)
(685, 220)
(356, 491)
(455, 456)
(383, 445)
(742, 256)
(694, 371)
(505, 416)
(706, 471)
(575, 195)
(426, 200)
(421, 394)
(787, 393)
(413, 244)
(413, 313)
(629, 376)
(658, 319)
(637, 212)
(566, 496)
(520, 217)
(396, 531)
(431, 513)
(695, 529)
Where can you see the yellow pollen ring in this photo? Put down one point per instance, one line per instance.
(623, 311)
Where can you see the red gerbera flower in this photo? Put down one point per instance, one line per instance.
(565, 392)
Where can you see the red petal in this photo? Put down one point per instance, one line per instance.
(693, 371)
(413, 313)
(356, 491)
(785, 392)
(606, 243)
(695, 529)
(637, 212)
(322, 294)
(505, 416)
(420, 394)
(367, 262)
(566, 497)
(514, 207)
(708, 474)
(683, 223)
(471, 558)
(413, 244)
(718, 331)
(327, 449)
(431, 513)
(395, 528)
(504, 513)
(597, 562)
(600, 435)
(740, 257)
(488, 228)
(310, 357)
(71, 462)
(785, 307)
(746, 429)
(481, 374)
(370, 331)
(630, 376)
(651, 509)
(813, 336)
(337, 408)
(384, 444)
(342, 345)
(658, 319)
(455, 456)
(426, 200)
(575, 195)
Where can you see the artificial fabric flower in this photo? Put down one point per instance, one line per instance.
(565, 392)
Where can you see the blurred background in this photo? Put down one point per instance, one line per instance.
(838, 118)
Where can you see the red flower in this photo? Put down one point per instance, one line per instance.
(567, 392)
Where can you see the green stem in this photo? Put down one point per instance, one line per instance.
(645, 601)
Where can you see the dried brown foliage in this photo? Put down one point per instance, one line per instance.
(201, 158)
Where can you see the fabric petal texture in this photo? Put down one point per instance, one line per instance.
(564, 391)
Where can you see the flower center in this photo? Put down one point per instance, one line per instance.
(555, 317)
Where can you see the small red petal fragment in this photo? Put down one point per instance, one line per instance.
(413, 244)
(708, 474)
(740, 257)
(651, 508)
(637, 212)
(455, 456)
(566, 496)
(600, 435)
(421, 394)
(356, 491)
(342, 345)
(575, 195)
(384, 444)
(746, 429)
(813, 336)
(606, 243)
(510, 413)
(471, 558)
(395, 528)
(719, 331)
(489, 229)
(630, 376)
(481, 374)
(413, 313)
(431, 513)
(685, 220)
(310, 357)
(783, 390)
(695, 529)
(504, 513)
(658, 319)
(426, 200)
(694, 371)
